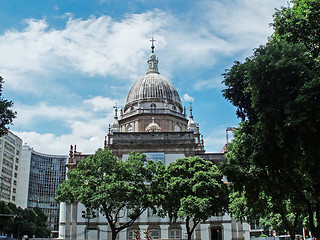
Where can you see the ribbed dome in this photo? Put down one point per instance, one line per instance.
(153, 87)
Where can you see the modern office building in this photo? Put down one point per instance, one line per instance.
(10, 159)
(38, 182)
(153, 121)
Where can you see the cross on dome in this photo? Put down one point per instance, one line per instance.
(152, 46)
(153, 61)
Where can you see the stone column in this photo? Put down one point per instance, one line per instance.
(67, 233)
(143, 228)
(226, 231)
(164, 231)
(183, 231)
(122, 234)
(74, 220)
(205, 231)
(62, 221)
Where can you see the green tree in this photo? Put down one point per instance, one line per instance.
(191, 189)
(23, 221)
(42, 231)
(300, 24)
(6, 114)
(6, 217)
(274, 152)
(103, 182)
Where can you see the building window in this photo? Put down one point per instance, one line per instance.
(15, 175)
(153, 107)
(14, 182)
(129, 129)
(156, 156)
(177, 128)
(13, 198)
(16, 167)
(155, 233)
(131, 233)
(175, 233)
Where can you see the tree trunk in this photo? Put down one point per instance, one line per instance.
(113, 234)
(292, 235)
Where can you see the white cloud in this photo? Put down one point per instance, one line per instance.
(187, 98)
(215, 141)
(87, 126)
(95, 46)
(208, 84)
(36, 60)
(100, 103)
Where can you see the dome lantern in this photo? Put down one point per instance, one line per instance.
(153, 60)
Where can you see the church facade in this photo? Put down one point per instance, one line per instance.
(153, 121)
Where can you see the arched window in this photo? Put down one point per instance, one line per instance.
(153, 107)
(155, 232)
(175, 233)
(92, 233)
(131, 233)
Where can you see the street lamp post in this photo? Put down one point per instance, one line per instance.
(88, 214)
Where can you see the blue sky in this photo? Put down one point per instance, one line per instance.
(67, 63)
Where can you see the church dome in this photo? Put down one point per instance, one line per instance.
(153, 88)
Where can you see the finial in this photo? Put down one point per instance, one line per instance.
(190, 110)
(152, 45)
(115, 111)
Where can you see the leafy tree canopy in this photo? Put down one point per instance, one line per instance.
(31, 222)
(300, 24)
(276, 92)
(192, 189)
(103, 182)
(6, 114)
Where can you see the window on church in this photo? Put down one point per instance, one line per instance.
(177, 128)
(155, 233)
(155, 156)
(129, 129)
(175, 233)
(153, 107)
(131, 233)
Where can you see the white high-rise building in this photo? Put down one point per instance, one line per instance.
(10, 159)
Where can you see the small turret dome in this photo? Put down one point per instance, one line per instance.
(153, 127)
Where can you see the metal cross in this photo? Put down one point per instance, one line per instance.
(152, 46)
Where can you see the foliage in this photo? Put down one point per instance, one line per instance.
(273, 158)
(103, 182)
(192, 189)
(6, 114)
(31, 222)
(300, 24)
(6, 222)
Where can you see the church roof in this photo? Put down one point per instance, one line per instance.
(153, 87)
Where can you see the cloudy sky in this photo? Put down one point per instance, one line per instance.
(66, 63)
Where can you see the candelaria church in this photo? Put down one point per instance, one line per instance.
(153, 121)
